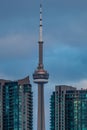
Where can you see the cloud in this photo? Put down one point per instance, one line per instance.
(81, 84)
(17, 55)
(17, 46)
(67, 64)
(15, 8)
(69, 29)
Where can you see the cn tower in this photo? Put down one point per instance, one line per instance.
(40, 77)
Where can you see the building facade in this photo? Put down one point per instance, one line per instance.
(52, 111)
(57, 109)
(16, 106)
(60, 92)
(76, 110)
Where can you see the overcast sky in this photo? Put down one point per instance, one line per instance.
(65, 42)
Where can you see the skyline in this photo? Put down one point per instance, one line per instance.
(64, 35)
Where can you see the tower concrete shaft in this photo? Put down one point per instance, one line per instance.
(40, 77)
(41, 115)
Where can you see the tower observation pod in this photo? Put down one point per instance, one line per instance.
(40, 77)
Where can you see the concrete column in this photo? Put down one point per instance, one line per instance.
(41, 114)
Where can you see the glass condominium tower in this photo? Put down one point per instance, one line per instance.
(68, 108)
(58, 107)
(16, 105)
(76, 110)
(52, 111)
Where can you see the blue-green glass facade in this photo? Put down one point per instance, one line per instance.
(60, 92)
(68, 109)
(17, 106)
(1, 107)
(52, 111)
(10, 106)
(76, 110)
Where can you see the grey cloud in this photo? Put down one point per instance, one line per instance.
(11, 8)
(69, 30)
(67, 64)
(17, 46)
(67, 5)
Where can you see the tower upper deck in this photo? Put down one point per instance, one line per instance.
(40, 75)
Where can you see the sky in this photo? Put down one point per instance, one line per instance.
(65, 43)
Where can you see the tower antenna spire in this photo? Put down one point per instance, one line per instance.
(40, 35)
(40, 39)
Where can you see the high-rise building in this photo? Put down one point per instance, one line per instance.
(40, 77)
(76, 110)
(68, 109)
(57, 107)
(52, 111)
(16, 105)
